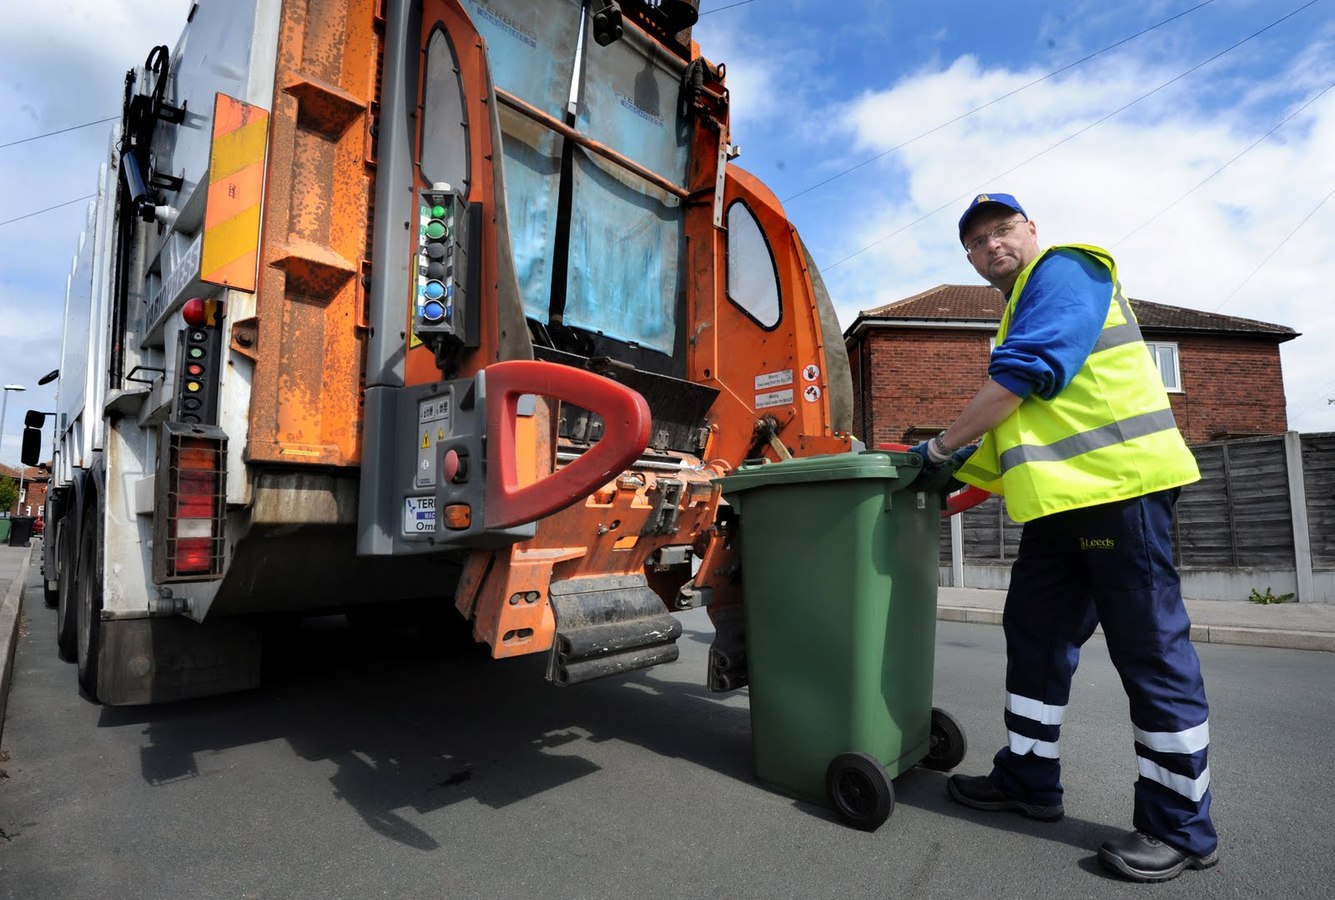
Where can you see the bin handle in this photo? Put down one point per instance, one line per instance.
(956, 503)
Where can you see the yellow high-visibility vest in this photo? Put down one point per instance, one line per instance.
(1108, 435)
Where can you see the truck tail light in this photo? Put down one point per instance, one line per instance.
(191, 504)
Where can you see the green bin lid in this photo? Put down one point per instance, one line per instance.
(892, 465)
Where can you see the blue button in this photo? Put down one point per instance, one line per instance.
(434, 290)
(433, 311)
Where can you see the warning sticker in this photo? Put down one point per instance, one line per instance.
(811, 372)
(812, 393)
(419, 515)
(774, 398)
(774, 379)
(434, 409)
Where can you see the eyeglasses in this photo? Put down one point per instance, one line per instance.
(995, 234)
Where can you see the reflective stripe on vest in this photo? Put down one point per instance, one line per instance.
(1108, 435)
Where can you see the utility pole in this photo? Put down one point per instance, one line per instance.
(4, 402)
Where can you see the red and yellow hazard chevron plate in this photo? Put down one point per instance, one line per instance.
(230, 252)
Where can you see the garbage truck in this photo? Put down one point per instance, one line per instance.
(456, 305)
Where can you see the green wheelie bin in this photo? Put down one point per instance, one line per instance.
(839, 566)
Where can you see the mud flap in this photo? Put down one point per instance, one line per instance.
(156, 660)
(606, 626)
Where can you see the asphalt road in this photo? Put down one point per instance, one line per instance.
(373, 768)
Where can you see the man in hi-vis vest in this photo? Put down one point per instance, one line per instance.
(1079, 437)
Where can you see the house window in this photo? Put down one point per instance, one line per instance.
(1165, 358)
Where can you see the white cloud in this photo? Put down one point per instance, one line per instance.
(1103, 185)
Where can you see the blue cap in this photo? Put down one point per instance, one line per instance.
(984, 200)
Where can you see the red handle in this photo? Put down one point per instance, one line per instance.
(957, 502)
(625, 415)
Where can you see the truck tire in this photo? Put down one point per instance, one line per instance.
(88, 590)
(67, 604)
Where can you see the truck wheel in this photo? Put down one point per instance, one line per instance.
(67, 605)
(860, 790)
(88, 589)
(948, 744)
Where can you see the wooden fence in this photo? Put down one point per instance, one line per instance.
(1265, 506)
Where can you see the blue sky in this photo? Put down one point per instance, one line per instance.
(1172, 169)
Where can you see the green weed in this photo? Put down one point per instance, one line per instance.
(1268, 598)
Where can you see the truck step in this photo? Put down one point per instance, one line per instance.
(608, 625)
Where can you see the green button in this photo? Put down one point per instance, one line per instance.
(435, 229)
(438, 212)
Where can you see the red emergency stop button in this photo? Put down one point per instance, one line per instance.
(455, 467)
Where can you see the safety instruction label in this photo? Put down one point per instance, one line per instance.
(774, 379)
(433, 422)
(774, 398)
(434, 409)
(419, 515)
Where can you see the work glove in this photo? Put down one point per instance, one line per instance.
(939, 474)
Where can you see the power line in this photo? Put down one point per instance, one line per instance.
(1319, 393)
(1251, 146)
(993, 101)
(731, 6)
(37, 137)
(1074, 135)
(1276, 250)
(47, 210)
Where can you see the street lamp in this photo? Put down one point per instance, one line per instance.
(4, 402)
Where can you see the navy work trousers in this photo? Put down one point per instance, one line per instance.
(1109, 564)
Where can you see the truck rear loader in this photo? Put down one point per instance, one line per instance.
(458, 302)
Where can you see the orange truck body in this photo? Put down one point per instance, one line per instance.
(324, 361)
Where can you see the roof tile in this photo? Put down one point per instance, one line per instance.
(981, 303)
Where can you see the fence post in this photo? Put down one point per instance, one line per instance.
(1302, 541)
(957, 550)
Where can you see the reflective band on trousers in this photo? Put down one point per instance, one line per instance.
(1020, 745)
(1192, 740)
(1098, 438)
(1191, 788)
(1035, 709)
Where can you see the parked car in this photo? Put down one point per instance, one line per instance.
(38, 525)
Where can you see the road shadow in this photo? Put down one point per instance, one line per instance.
(411, 727)
(926, 789)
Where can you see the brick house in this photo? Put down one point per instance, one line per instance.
(915, 363)
(34, 484)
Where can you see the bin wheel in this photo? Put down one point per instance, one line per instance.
(948, 744)
(859, 790)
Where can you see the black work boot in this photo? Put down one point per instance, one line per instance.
(978, 792)
(1138, 856)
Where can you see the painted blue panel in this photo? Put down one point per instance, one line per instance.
(627, 241)
(630, 101)
(532, 181)
(626, 256)
(531, 47)
(531, 50)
